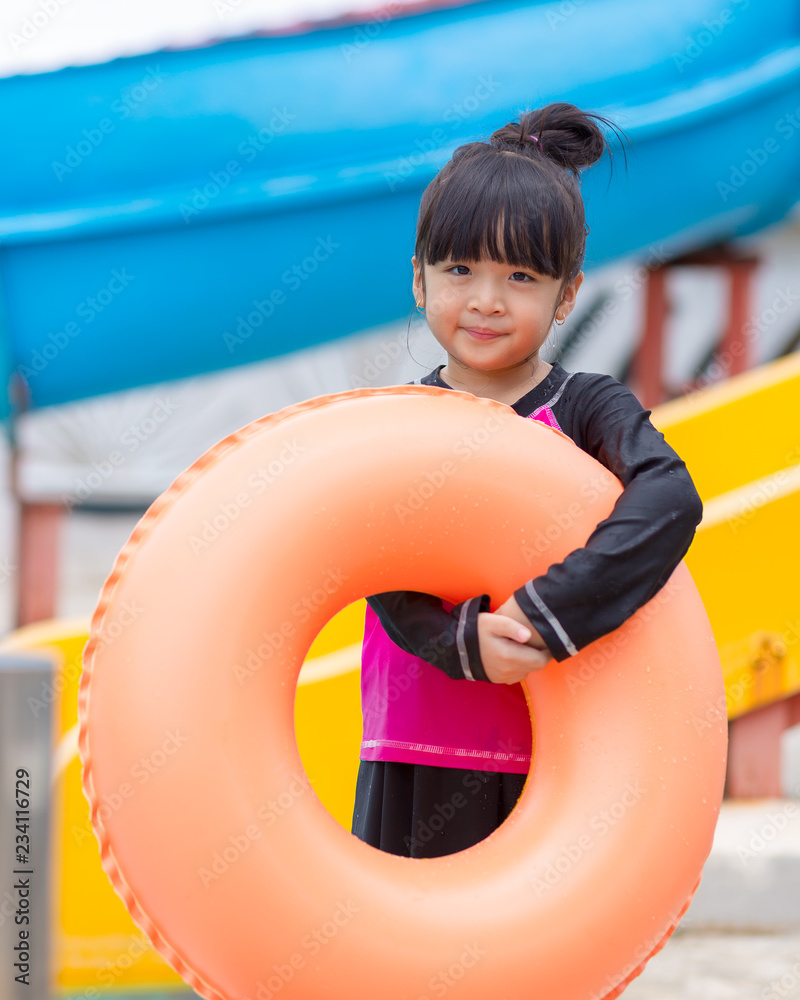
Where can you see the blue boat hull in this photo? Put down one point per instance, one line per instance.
(186, 211)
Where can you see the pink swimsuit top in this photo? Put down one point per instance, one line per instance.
(414, 712)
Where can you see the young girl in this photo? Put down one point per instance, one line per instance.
(499, 250)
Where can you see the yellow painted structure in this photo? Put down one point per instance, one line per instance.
(741, 443)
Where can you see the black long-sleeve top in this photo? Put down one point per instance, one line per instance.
(626, 560)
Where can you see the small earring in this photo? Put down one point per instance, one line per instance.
(559, 323)
(420, 308)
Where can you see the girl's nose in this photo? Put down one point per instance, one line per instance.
(486, 300)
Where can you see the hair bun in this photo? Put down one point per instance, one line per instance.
(562, 133)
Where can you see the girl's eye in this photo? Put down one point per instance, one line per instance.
(517, 274)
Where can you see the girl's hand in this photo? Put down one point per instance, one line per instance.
(511, 609)
(505, 647)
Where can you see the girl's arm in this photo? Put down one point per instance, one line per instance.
(467, 643)
(419, 624)
(625, 562)
(630, 555)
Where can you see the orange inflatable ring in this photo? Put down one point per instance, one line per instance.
(226, 858)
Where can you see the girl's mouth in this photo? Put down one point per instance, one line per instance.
(483, 335)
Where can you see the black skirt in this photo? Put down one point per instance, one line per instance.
(423, 811)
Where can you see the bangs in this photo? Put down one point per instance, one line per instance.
(475, 216)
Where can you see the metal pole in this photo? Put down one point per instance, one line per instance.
(26, 694)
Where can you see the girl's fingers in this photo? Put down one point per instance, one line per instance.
(505, 664)
(510, 628)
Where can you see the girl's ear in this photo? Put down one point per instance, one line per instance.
(570, 294)
(416, 285)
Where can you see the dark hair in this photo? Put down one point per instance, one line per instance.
(529, 186)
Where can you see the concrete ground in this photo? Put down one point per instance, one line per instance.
(716, 966)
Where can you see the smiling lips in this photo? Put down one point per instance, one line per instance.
(482, 334)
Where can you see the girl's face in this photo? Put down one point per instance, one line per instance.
(516, 305)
